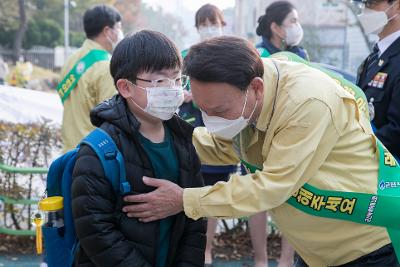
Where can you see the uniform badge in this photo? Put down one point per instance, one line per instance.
(371, 109)
(379, 80)
(381, 62)
(80, 68)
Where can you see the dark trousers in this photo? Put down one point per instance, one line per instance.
(383, 257)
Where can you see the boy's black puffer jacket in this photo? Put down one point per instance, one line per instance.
(107, 236)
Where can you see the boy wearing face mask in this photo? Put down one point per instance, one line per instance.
(379, 74)
(154, 142)
(85, 78)
(280, 30)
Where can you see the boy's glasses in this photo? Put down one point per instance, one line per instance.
(361, 4)
(182, 80)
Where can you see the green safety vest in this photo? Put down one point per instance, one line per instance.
(381, 209)
(65, 87)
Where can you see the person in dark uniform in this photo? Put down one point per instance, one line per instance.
(379, 74)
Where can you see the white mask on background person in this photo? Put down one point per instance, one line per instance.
(120, 36)
(162, 102)
(207, 32)
(225, 128)
(373, 22)
(294, 34)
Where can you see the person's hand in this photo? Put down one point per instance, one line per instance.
(187, 96)
(166, 200)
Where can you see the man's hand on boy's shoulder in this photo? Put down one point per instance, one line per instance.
(166, 200)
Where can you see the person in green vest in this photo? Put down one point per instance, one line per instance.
(280, 30)
(86, 79)
(312, 159)
(209, 22)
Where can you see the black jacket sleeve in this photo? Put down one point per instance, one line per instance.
(192, 245)
(95, 217)
(389, 133)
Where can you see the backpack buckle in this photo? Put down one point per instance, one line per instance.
(110, 155)
(125, 188)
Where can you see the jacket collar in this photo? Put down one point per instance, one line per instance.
(265, 43)
(393, 50)
(270, 78)
(91, 45)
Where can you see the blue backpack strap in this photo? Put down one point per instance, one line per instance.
(55, 174)
(111, 159)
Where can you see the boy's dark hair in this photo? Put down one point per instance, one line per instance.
(143, 51)
(276, 12)
(210, 12)
(224, 59)
(98, 17)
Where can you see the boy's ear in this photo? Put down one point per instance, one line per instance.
(123, 88)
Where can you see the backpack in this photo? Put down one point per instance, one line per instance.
(61, 243)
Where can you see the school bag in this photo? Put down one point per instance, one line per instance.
(61, 243)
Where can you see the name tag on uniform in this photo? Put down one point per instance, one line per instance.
(379, 80)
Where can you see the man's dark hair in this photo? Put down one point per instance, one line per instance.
(143, 51)
(97, 18)
(276, 12)
(210, 12)
(224, 59)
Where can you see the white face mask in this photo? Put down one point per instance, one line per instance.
(207, 32)
(374, 21)
(162, 102)
(120, 36)
(294, 34)
(227, 128)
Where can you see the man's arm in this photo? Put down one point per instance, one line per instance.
(212, 150)
(297, 152)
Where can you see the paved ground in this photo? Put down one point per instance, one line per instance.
(34, 261)
(19, 261)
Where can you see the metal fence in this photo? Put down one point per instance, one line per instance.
(39, 56)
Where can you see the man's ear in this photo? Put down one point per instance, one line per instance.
(106, 31)
(258, 86)
(123, 88)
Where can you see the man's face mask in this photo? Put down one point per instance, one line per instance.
(373, 22)
(225, 128)
(120, 36)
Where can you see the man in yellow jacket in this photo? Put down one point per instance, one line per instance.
(102, 25)
(313, 160)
